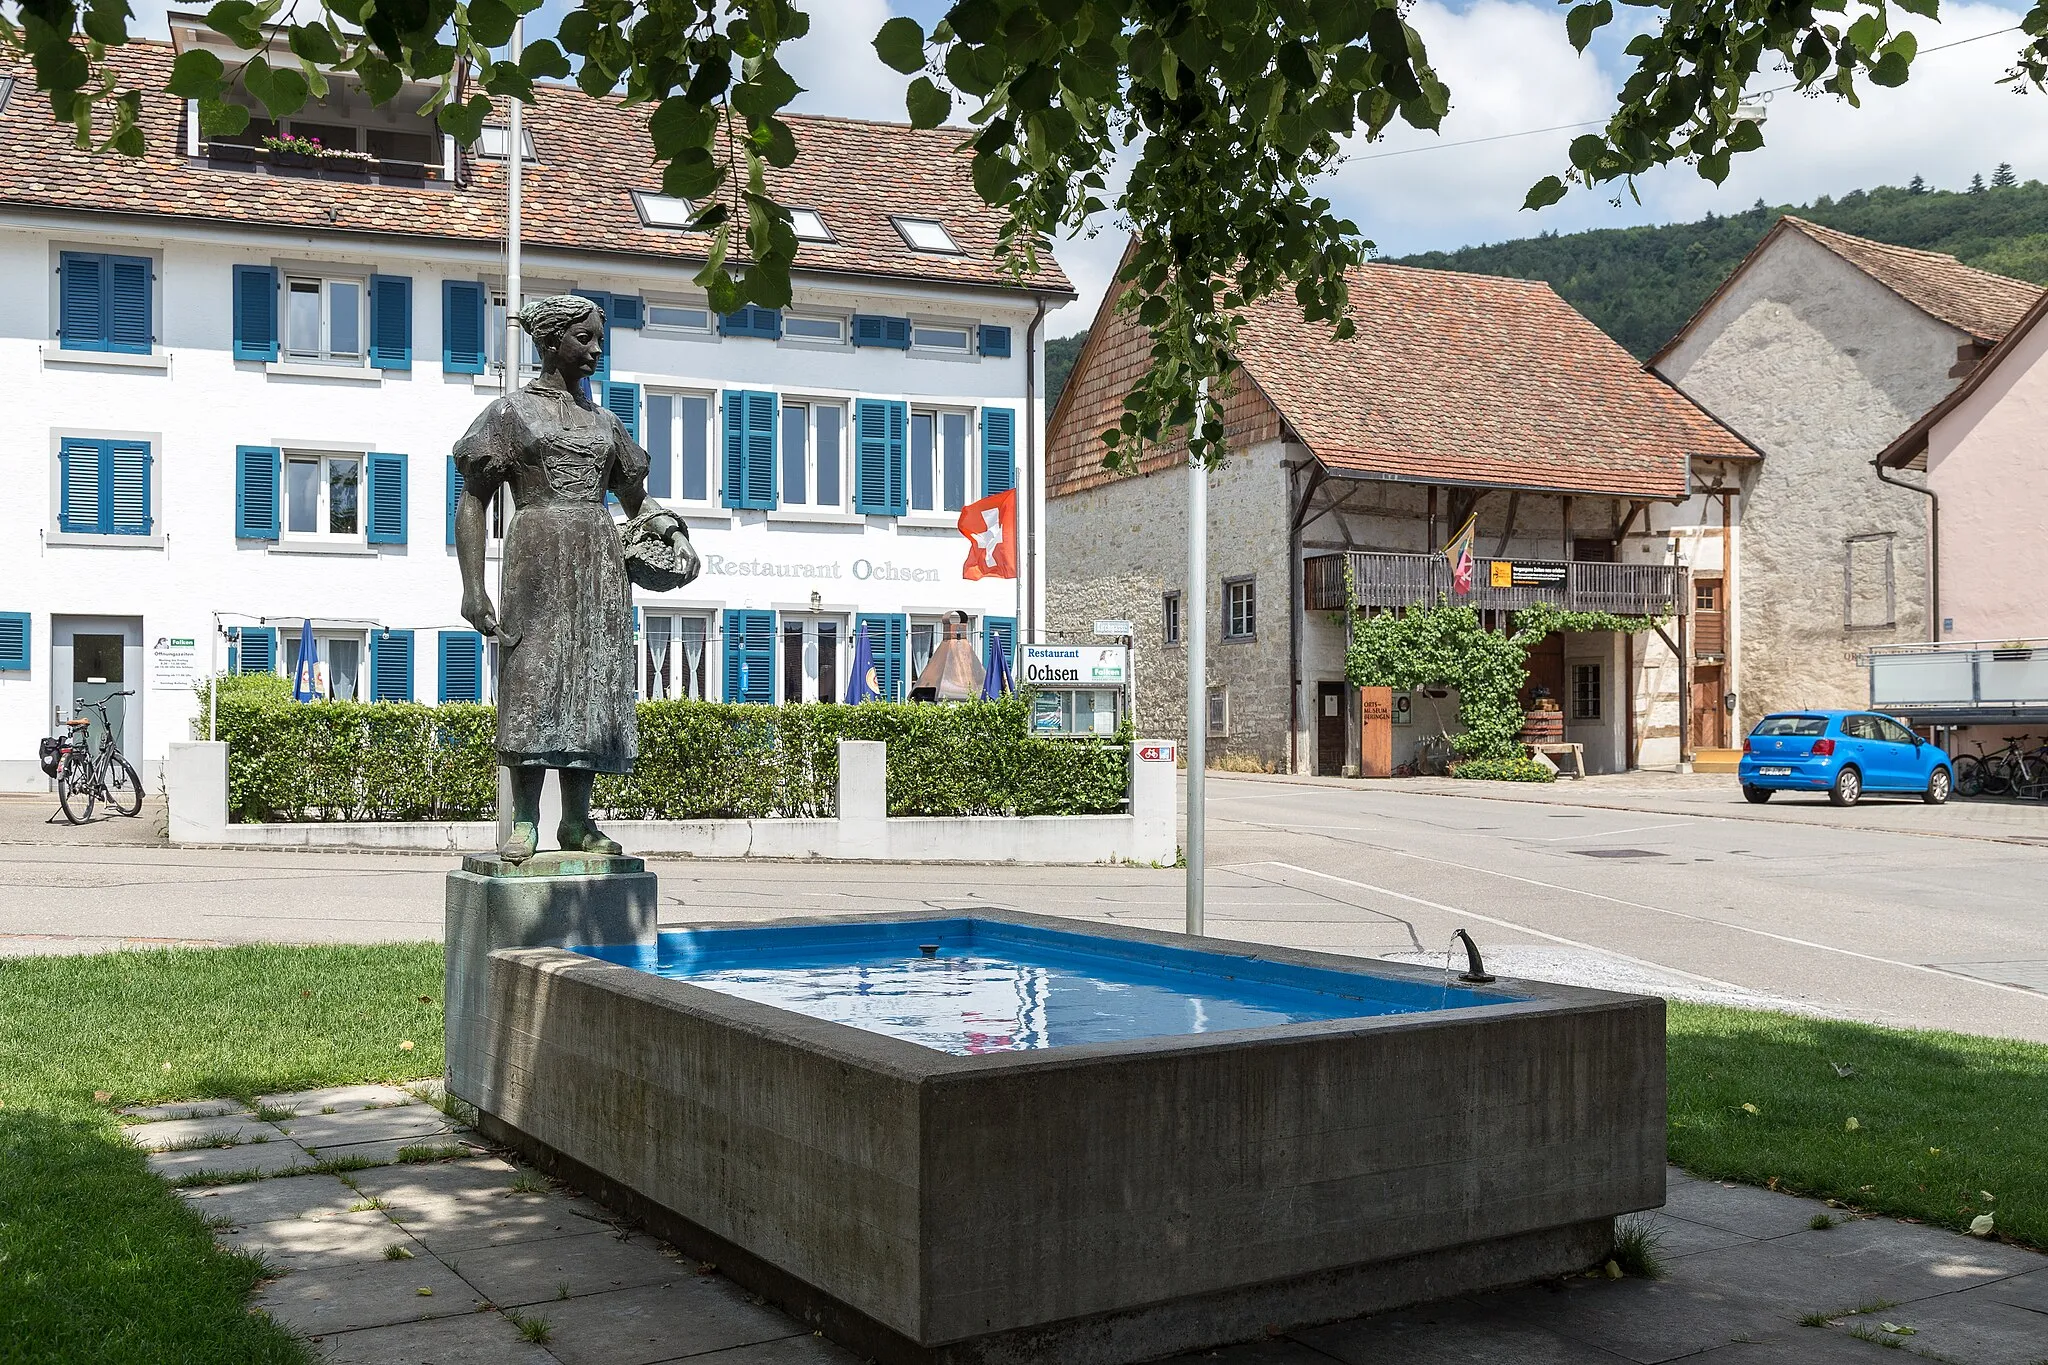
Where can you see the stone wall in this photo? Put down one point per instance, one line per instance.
(1820, 367)
(1115, 549)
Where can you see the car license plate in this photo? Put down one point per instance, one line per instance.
(1774, 772)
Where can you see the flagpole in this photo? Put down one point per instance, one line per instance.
(515, 165)
(1197, 630)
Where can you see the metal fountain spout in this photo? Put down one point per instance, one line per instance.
(1475, 970)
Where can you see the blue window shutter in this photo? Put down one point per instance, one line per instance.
(255, 312)
(871, 330)
(750, 656)
(14, 641)
(454, 496)
(391, 665)
(880, 460)
(386, 522)
(749, 449)
(750, 321)
(257, 471)
(462, 666)
(81, 302)
(464, 347)
(626, 311)
(128, 313)
(624, 402)
(79, 466)
(998, 450)
(259, 650)
(390, 322)
(994, 628)
(124, 488)
(760, 456)
(888, 636)
(995, 341)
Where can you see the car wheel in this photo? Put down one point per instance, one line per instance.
(1756, 796)
(1937, 787)
(1848, 788)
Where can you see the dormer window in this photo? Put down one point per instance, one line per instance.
(926, 234)
(491, 144)
(662, 211)
(810, 226)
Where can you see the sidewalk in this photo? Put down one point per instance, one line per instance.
(1716, 795)
(417, 1245)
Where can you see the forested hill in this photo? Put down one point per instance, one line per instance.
(1639, 285)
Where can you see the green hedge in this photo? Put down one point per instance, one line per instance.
(291, 761)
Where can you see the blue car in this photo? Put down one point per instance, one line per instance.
(1842, 753)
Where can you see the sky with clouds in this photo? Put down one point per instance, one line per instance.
(1511, 71)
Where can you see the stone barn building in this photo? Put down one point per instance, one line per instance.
(1819, 350)
(1595, 485)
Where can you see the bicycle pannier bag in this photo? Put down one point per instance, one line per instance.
(48, 752)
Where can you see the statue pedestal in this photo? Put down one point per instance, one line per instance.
(553, 900)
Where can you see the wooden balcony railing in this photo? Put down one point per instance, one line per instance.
(1386, 580)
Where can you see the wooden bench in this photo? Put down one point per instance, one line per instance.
(1577, 752)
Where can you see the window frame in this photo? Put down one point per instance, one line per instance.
(939, 514)
(153, 443)
(323, 641)
(1218, 701)
(711, 504)
(530, 153)
(1589, 706)
(1889, 542)
(840, 340)
(322, 512)
(1250, 584)
(811, 406)
(1170, 622)
(967, 328)
(152, 260)
(648, 324)
(288, 276)
(823, 227)
(899, 221)
(676, 664)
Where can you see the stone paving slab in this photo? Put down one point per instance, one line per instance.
(338, 1097)
(317, 1130)
(183, 1109)
(519, 1274)
(289, 1244)
(494, 1242)
(475, 1339)
(424, 1148)
(225, 1131)
(264, 1158)
(687, 1316)
(373, 1294)
(263, 1201)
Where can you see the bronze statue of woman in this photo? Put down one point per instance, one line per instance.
(565, 634)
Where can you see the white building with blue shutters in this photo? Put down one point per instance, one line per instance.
(235, 392)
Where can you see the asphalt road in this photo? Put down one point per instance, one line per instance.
(1862, 914)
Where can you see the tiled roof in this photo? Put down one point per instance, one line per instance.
(1910, 449)
(1985, 305)
(592, 153)
(1466, 379)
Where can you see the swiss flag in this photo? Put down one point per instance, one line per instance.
(990, 525)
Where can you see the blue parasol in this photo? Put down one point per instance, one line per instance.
(997, 682)
(302, 680)
(863, 685)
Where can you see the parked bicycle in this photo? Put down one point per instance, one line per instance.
(2011, 771)
(86, 777)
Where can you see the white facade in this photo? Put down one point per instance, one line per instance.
(104, 604)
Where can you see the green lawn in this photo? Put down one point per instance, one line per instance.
(99, 1261)
(1942, 1119)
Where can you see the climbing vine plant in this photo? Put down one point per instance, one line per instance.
(1446, 646)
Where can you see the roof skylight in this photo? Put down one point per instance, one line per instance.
(491, 143)
(661, 211)
(6, 89)
(809, 225)
(926, 234)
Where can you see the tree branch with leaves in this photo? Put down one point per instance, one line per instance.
(1223, 117)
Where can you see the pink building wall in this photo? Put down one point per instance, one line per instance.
(1988, 463)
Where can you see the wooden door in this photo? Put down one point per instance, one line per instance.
(1330, 744)
(1546, 670)
(1709, 716)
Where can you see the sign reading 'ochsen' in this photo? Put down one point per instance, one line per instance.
(1072, 665)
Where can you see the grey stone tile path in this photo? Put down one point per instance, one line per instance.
(472, 1260)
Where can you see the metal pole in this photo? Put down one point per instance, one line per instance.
(515, 165)
(1197, 597)
(212, 677)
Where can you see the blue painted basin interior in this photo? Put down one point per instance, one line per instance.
(994, 986)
